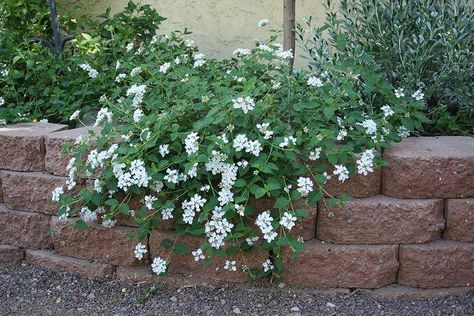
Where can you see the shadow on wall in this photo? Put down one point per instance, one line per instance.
(218, 26)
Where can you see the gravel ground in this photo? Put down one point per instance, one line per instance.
(28, 290)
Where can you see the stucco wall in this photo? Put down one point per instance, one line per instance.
(219, 26)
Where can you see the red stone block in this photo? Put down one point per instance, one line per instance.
(52, 261)
(460, 220)
(24, 229)
(382, 220)
(30, 191)
(11, 254)
(430, 167)
(22, 145)
(353, 266)
(437, 264)
(97, 243)
(55, 160)
(358, 185)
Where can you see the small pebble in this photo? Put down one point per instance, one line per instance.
(295, 309)
(330, 305)
(173, 299)
(91, 296)
(236, 310)
(281, 285)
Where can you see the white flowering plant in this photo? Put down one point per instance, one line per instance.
(196, 142)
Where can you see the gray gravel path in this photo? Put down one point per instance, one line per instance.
(27, 290)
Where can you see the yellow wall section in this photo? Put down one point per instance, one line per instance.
(218, 26)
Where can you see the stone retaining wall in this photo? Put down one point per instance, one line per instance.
(410, 224)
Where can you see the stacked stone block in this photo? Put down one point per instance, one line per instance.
(410, 224)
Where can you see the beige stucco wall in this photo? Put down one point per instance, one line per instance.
(219, 26)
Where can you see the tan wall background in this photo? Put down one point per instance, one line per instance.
(219, 26)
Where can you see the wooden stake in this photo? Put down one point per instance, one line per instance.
(289, 17)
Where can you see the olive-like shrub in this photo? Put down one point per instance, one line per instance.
(197, 141)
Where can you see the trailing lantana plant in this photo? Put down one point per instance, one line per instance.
(197, 141)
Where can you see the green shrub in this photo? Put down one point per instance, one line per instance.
(424, 45)
(38, 84)
(198, 139)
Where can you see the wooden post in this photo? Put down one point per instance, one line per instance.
(289, 13)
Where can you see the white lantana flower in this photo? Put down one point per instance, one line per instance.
(315, 154)
(198, 255)
(267, 265)
(314, 82)
(56, 194)
(305, 185)
(164, 150)
(288, 220)
(342, 172)
(387, 110)
(166, 214)
(247, 104)
(242, 52)
(418, 95)
(366, 162)
(399, 93)
(191, 143)
(87, 215)
(164, 68)
(137, 115)
(74, 115)
(140, 251)
(158, 266)
(230, 265)
(91, 72)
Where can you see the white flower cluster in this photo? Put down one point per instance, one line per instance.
(91, 72)
(191, 207)
(158, 266)
(87, 215)
(164, 150)
(149, 200)
(403, 132)
(251, 146)
(138, 115)
(198, 255)
(288, 220)
(365, 164)
(137, 174)
(315, 154)
(305, 186)
(217, 228)
(230, 265)
(167, 213)
(164, 68)
(74, 115)
(191, 143)
(267, 265)
(314, 82)
(103, 114)
(370, 127)
(242, 52)
(342, 172)
(2, 101)
(138, 92)
(418, 95)
(264, 223)
(263, 128)
(288, 141)
(135, 71)
(199, 60)
(97, 159)
(56, 194)
(71, 169)
(246, 104)
(387, 110)
(140, 251)
(399, 93)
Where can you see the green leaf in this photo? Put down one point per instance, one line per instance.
(181, 249)
(81, 225)
(167, 243)
(281, 202)
(257, 191)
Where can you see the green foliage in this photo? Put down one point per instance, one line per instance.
(201, 140)
(42, 85)
(419, 44)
